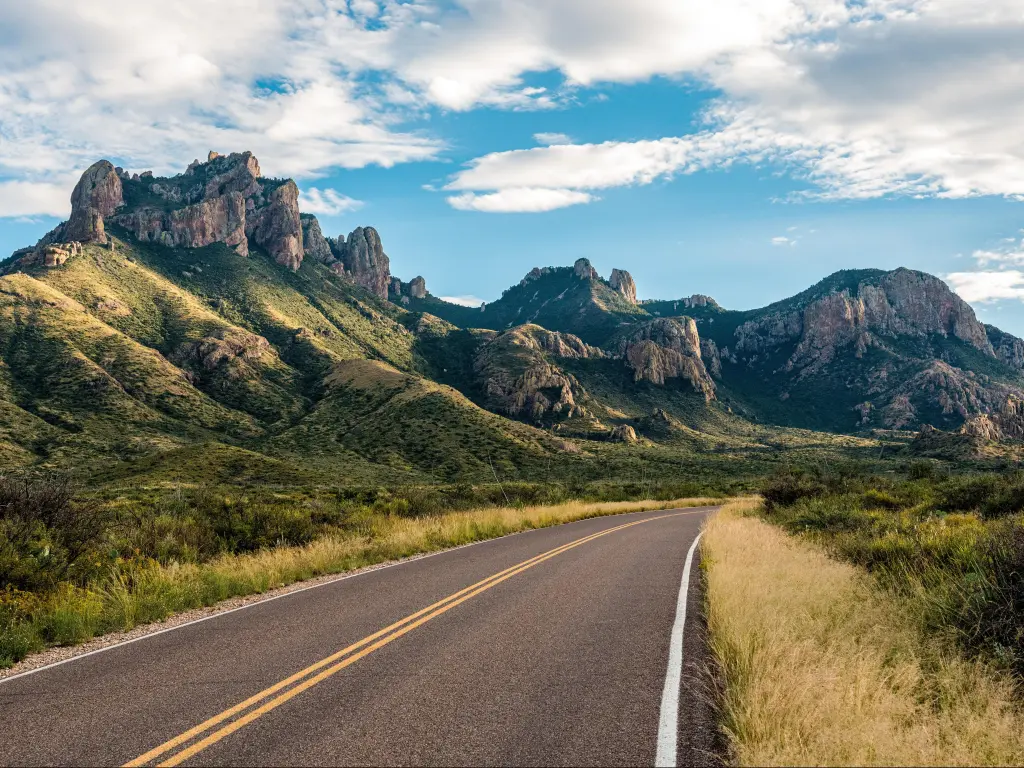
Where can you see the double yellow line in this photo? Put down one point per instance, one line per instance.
(270, 698)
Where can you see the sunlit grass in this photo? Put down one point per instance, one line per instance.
(821, 667)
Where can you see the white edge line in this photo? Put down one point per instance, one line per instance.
(668, 723)
(341, 577)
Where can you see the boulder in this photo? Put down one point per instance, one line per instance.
(623, 433)
(623, 282)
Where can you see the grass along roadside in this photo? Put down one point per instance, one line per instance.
(821, 667)
(149, 592)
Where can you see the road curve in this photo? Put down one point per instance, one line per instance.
(549, 647)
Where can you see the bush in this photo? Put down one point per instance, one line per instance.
(45, 533)
(967, 493)
(787, 488)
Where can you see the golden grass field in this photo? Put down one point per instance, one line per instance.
(820, 667)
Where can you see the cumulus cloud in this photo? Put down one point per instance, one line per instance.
(519, 200)
(988, 285)
(783, 241)
(153, 85)
(20, 199)
(463, 301)
(861, 98)
(547, 139)
(884, 97)
(329, 202)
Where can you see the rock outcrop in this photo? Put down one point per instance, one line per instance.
(417, 288)
(535, 274)
(519, 376)
(314, 244)
(623, 433)
(667, 348)
(585, 270)
(224, 200)
(97, 195)
(623, 282)
(277, 226)
(698, 300)
(365, 261)
(1008, 348)
(217, 220)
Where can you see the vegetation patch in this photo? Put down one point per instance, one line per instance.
(74, 568)
(822, 665)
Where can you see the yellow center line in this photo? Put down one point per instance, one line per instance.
(397, 629)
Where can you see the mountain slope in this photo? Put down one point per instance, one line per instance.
(200, 326)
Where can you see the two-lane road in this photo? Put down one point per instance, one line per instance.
(550, 647)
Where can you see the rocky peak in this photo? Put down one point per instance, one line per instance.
(518, 376)
(698, 300)
(623, 282)
(585, 270)
(418, 287)
(314, 244)
(97, 195)
(365, 260)
(898, 303)
(224, 200)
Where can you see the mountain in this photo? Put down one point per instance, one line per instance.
(200, 327)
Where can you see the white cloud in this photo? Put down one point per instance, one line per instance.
(519, 200)
(464, 301)
(329, 202)
(154, 85)
(25, 198)
(547, 139)
(1009, 251)
(912, 97)
(988, 285)
(863, 98)
(783, 241)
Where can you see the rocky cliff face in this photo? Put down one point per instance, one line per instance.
(519, 375)
(899, 303)
(97, 195)
(365, 261)
(277, 226)
(667, 348)
(224, 200)
(585, 270)
(314, 244)
(1007, 347)
(623, 282)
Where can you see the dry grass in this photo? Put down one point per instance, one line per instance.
(822, 668)
(150, 592)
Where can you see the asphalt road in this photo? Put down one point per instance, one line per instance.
(556, 654)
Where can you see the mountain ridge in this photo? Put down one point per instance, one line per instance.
(205, 309)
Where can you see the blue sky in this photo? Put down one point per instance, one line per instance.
(736, 148)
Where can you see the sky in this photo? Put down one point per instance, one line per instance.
(743, 149)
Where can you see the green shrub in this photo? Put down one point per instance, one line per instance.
(787, 488)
